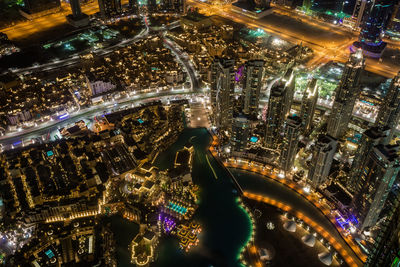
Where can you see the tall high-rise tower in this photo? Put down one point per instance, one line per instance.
(240, 133)
(308, 105)
(275, 115)
(322, 157)
(374, 23)
(394, 22)
(222, 90)
(290, 82)
(110, 8)
(370, 138)
(379, 172)
(345, 95)
(386, 248)
(389, 112)
(251, 87)
(290, 142)
(77, 18)
(359, 11)
(75, 8)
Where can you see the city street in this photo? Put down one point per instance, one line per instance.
(45, 132)
(330, 47)
(27, 28)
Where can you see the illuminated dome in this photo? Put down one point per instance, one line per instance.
(309, 240)
(325, 258)
(290, 226)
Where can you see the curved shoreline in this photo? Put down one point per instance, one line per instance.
(359, 257)
(241, 205)
(290, 185)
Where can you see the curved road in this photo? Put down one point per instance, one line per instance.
(7, 140)
(257, 184)
(74, 59)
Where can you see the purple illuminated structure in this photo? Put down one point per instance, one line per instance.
(239, 74)
(64, 116)
(168, 223)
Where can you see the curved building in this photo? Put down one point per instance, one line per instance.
(372, 29)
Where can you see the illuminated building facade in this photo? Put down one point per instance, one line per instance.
(345, 95)
(289, 80)
(386, 248)
(389, 112)
(308, 105)
(378, 174)
(321, 161)
(222, 90)
(370, 138)
(377, 16)
(290, 142)
(240, 133)
(359, 11)
(110, 8)
(252, 86)
(275, 115)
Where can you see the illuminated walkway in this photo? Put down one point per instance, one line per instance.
(343, 251)
(287, 196)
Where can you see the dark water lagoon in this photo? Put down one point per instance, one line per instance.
(226, 227)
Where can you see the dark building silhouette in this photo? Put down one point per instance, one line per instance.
(77, 18)
(110, 8)
(374, 21)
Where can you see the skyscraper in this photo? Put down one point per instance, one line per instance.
(275, 115)
(374, 23)
(240, 133)
(379, 172)
(290, 142)
(394, 22)
(289, 80)
(322, 157)
(386, 248)
(308, 105)
(389, 112)
(345, 95)
(251, 87)
(110, 8)
(75, 8)
(370, 138)
(77, 18)
(359, 11)
(222, 90)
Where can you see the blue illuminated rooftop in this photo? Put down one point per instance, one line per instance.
(253, 139)
(49, 253)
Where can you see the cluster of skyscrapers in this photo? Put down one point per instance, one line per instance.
(376, 163)
(222, 98)
(113, 8)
